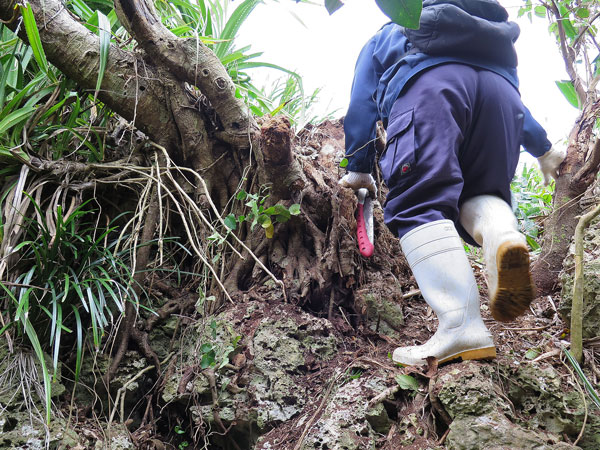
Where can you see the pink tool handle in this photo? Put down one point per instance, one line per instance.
(365, 246)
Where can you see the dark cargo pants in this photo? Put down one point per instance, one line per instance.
(454, 133)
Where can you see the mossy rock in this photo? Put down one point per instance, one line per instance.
(485, 417)
(279, 343)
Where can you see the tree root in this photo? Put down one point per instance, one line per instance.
(210, 376)
(128, 323)
(437, 405)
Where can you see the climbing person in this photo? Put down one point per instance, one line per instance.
(448, 97)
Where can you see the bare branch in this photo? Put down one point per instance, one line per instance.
(568, 55)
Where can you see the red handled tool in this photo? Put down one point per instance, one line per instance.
(364, 223)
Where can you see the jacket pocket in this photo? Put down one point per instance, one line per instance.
(398, 161)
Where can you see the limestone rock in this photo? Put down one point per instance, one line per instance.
(278, 347)
(484, 417)
(346, 422)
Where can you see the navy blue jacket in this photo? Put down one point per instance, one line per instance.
(385, 64)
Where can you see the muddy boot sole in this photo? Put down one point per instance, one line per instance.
(515, 287)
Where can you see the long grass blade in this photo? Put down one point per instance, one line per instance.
(5, 72)
(37, 348)
(239, 15)
(15, 118)
(16, 100)
(56, 344)
(33, 36)
(81, 9)
(588, 386)
(94, 316)
(104, 30)
(79, 342)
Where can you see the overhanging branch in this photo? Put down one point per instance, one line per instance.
(189, 60)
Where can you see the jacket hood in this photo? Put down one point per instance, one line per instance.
(475, 29)
(486, 9)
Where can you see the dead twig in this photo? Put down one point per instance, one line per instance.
(412, 293)
(317, 411)
(121, 394)
(382, 396)
(444, 436)
(550, 354)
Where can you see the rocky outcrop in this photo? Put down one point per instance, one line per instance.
(258, 370)
(499, 407)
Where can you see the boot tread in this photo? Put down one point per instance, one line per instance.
(480, 353)
(515, 289)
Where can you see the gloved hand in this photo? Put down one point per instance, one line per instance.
(549, 163)
(357, 180)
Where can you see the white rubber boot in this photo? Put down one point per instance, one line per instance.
(491, 222)
(438, 261)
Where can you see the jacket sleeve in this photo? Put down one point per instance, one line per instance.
(362, 116)
(534, 141)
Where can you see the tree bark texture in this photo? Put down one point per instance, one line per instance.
(577, 173)
(156, 86)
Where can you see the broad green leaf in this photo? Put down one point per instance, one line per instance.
(205, 348)
(532, 353)
(208, 359)
(264, 221)
(343, 162)
(566, 23)
(295, 209)
(277, 209)
(540, 11)
(406, 13)
(568, 90)
(333, 5)
(407, 382)
(230, 222)
(584, 13)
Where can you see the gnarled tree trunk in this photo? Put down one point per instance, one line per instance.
(178, 93)
(578, 172)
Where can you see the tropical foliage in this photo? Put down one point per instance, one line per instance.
(66, 264)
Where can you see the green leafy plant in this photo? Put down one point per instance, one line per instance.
(533, 201)
(44, 113)
(259, 215)
(68, 278)
(407, 383)
(216, 355)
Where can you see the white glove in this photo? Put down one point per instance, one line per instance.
(358, 180)
(549, 163)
